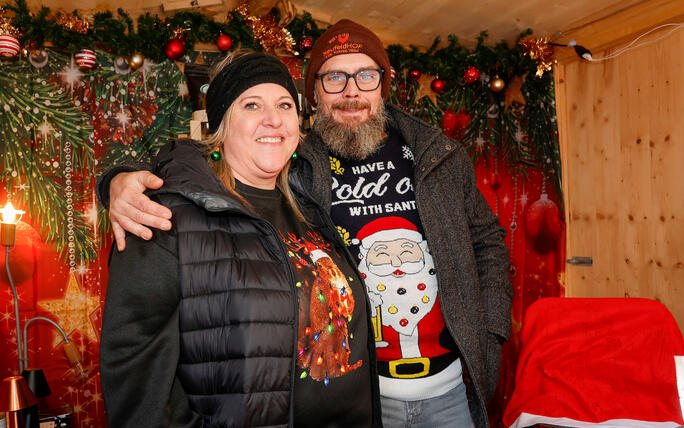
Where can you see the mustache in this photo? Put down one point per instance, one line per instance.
(351, 104)
(408, 268)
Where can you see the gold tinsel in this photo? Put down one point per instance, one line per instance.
(6, 26)
(179, 33)
(539, 50)
(72, 22)
(267, 31)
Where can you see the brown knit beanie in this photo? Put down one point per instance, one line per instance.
(346, 37)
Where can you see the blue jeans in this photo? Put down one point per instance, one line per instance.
(447, 410)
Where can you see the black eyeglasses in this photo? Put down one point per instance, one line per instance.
(335, 82)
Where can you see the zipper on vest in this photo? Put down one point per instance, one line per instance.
(295, 306)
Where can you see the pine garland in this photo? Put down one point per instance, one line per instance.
(116, 34)
(524, 132)
(38, 119)
(46, 111)
(526, 135)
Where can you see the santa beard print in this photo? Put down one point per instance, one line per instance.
(403, 300)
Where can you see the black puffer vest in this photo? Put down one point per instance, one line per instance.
(238, 312)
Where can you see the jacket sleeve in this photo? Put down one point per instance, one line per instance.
(491, 255)
(140, 343)
(105, 179)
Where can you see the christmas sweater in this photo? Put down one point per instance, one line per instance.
(332, 335)
(374, 208)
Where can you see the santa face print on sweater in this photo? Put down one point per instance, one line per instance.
(374, 207)
(396, 265)
(399, 286)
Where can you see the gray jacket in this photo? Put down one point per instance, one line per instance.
(465, 240)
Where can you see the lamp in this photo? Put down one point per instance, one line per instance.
(72, 354)
(10, 218)
(15, 395)
(38, 385)
(35, 378)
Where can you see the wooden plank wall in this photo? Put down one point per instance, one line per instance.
(621, 126)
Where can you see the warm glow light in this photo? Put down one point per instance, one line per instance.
(10, 215)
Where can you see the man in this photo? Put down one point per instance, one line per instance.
(404, 198)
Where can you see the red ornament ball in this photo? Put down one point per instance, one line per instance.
(9, 45)
(305, 44)
(543, 224)
(223, 42)
(437, 85)
(174, 49)
(415, 74)
(471, 74)
(454, 124)
(86, 59)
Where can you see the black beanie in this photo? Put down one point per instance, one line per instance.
(238, 76)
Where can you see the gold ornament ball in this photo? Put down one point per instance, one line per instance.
(497, 84)
(136, 61)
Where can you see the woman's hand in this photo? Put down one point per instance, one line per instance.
(131, 210)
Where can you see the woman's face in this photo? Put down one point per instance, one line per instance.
(263, 132)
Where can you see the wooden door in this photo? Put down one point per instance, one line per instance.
(621, 126)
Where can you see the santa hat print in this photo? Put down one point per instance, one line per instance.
(387, 229)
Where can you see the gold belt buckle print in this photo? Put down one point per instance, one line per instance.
(418, 360)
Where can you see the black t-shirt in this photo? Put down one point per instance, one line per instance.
(332, 378)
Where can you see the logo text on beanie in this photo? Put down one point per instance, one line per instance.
(342, 49)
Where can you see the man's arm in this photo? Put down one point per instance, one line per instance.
(140, 343)
(493, 264)
(120, 189)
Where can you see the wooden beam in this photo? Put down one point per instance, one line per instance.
(173, 5)
(600, 32)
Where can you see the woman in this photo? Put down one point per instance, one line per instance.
(248, 312)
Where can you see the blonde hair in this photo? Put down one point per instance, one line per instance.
(221, 167)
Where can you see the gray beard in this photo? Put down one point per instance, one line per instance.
(352, 141)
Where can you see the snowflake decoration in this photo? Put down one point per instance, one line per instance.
(45, 128)
(123, 118)
(523, 199)
(406, 152)
(519, 136)
(82, 269)
(91, 215)
(146, 67)
(71, 75)
(480, 142)
(182, 89)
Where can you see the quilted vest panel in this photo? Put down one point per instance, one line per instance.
(237, 319)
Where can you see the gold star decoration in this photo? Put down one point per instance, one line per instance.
(73, 311)
(424, 89)
(513, 92)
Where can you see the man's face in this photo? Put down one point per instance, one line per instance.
(352, 106)
(399, 257)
